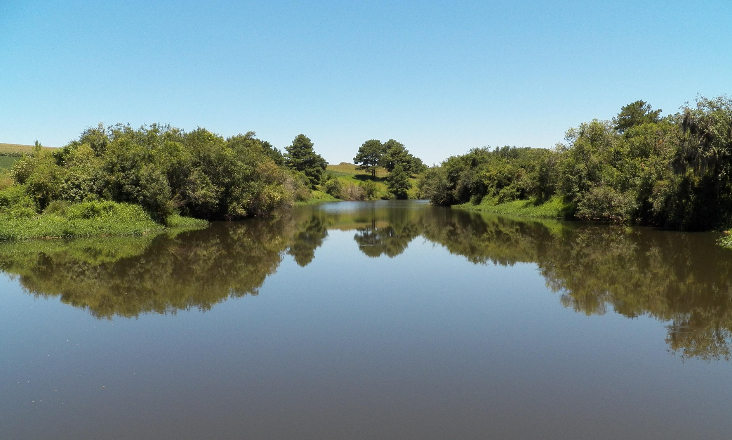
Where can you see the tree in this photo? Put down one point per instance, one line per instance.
(302, 157)
(398, 182)
(635, 113)
(369, 189)
(396, 154)
(369, 156)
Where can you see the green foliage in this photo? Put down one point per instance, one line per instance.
(635, 113)
(162, 169)
(6, 162)
(334, 187)
(62, 219)
(554, 208)
(396, 154)
(395, 159)
(507, 173)
(672, 172)
(369, 156)
(316, 197)
(369, 189)
(302, 157)
(176, 221)
(15, 197)
(357, 184)
(398, 182)
(78, 220)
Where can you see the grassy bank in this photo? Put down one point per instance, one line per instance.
(555, 207)
(317, 197)
(88, 219)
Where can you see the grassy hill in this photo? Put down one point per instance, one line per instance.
(350, 176)
(9, 153)
(17, 149)
(6, 162)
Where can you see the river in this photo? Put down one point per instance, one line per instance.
(365, 320)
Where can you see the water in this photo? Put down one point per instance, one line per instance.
(369, 320)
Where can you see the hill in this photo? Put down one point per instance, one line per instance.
(350, 178)
(17, 149)
(9, 153)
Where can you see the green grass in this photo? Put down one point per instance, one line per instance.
(17, 149)
(6, 162)
(555, 207)
(317, 197)
(176, 221)
(349, 175)
(88, 219)
(9, 153)
(345, 169)
(5, 180)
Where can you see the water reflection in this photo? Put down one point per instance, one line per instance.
(681, 279)
(163, 274)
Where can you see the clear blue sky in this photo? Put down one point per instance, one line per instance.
(439, 76)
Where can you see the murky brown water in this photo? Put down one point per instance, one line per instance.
(369, 320)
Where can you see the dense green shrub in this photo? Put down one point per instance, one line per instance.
(334, 187)
(369, 189)
(162, 169)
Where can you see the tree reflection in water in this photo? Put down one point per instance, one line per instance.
(679, 278)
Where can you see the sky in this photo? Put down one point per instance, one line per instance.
(441, 77)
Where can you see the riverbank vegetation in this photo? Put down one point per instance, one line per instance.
(135, 181)
(158, 176)
(641, 168)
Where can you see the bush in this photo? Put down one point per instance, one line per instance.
(604, 203)
(334, 187)
(354, 192)
(14, 196)
(58, 207)
(369, 189)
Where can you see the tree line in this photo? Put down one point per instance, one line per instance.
(641, 168)
(166, 171)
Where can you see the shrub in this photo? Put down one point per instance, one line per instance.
(604, 203)
(15, 196)
(369, 189)
(58, 207)
(354, 192)
(334, 187)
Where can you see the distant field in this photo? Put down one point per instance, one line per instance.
(6, 162)
(9, 153)
(348, 174)
(17, 148)
(349, 168)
